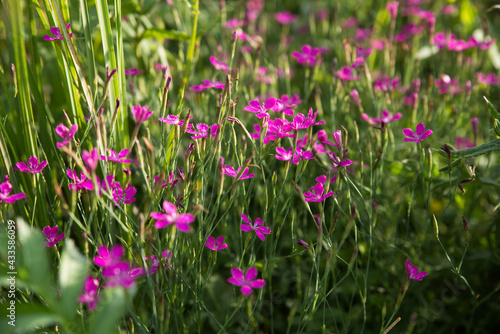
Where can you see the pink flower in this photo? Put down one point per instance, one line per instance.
(207, 84)
(412, 272)
(171, 216)
(89, 294)
(337, 162)
(120, 157)
(31, 166)
(80, 182)
(141, 113)
(308, 55)
(174, 119)
(247, 281)
(355, 97)
(121, 274)
(300, 155)
(91, 159)
(216, 245)
(259, 230)
(57, 34)
(171, 181)
(419, 136)
(107, 258)
(345, 73)
(66, 134)
(463, 143)
(285, 17)
(202, 131)
(386, 118)
(285, 155)
(392, 8)
(166, 254)
(487, 79)
(315, 194)
(235, 23)
(51, 233)
(126, 196)
(5, 189)
(133, 71)
(261, 109)
(279, 106)
(229, 171)
(219, 64)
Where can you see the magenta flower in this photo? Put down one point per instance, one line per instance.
(247, 281)
(57, 34)
(235, 23)
(419, 136)
(337, 162)
(89, 294)
(174, 120)
(315, 194)
(153, 268)
(133, 71)
(355, 97)
(412, 272)
(300, 155)
(487, 79)
(171, 216)
(462, 143)
(385, 84)
(66, 134)
(216, 245)
(120, 157)
(126, 196)
(141, 113)
(285, 17)
(51, 233)
(285, 155)
(219, 64)
(121, 274)
(171, 181)
(207, 84)
(91, 159)
(31, 166)
(229, 171)
(261, 109)
(80, 182)
(386, 118)
(107, 258)
(392, 8)
(308, 55)
(345, 73)
(202, 131)
(5, 189)
(259, 230)
(280, 106)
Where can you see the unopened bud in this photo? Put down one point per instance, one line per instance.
(303, 244)
(436, 227)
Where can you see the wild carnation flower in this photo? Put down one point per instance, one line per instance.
(346, 74)
(246, 281)
(229, 171)
(57, 34)
(285, 17)
(315, 194)
(51, 233)
(80, 182)
(386, 118)
(141, 113)
(31, 166)
(120, 157)
(307, 56)
(107, 258)
(89, 294)
(300, 155)
(417, 137)
(171, 216)
(66, 134)
(285, 155)
(5, 189)
(91, 159)
(412, 272)
(202, 131)
(133, 71)
(219, 64)
(121, 274)
(122, 196)
(260, 109)
(216, 245)
(153, 268)
(174, 120)
(259, 230)
(392, 8)
(207, 84)
(280, 106)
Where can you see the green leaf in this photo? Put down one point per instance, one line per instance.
(162, 34)
(110, 308)
(34, 266)
(72, 273)
(491, 108)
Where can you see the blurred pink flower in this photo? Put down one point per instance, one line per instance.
(285, 17)
(89, 294)
(80, 182)
(229, 171)
(386, 118)
(66, 134)
(5, 189)
(120, 157)
(171, 216)
(57, 34)
(216, 245)
(91, 159)
(141, 113)
(219, 64)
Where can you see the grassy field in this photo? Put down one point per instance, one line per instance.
(249, 166)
